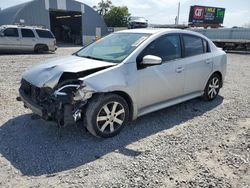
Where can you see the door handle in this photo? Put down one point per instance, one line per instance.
(179, 69)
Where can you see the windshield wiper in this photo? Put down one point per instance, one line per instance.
(95, 58)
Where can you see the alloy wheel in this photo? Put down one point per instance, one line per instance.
(213, 88)
(110, 117)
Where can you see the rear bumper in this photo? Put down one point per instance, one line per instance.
(53, 48)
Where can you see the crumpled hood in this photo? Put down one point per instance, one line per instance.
(49, 72)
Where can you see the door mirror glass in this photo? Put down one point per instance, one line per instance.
(151, 60)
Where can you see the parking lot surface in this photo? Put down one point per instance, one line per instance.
(193, 144)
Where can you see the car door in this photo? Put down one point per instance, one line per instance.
(161, 82)
(199, 63)
(28, 40)
(10, 39)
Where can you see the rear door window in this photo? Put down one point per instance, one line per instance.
(44, 34)
(193, 45)
(11, 32)
(27, 33)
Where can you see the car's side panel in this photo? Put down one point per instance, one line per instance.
(198, 68)
(160, 83)
(168, 103)
(49, 42)
(220, 63)
(28, 44)
(118, 78)
(10, 43)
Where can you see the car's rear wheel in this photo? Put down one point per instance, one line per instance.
(106, 115)
(40, 49)
(213, 87)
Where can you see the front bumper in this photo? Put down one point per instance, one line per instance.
(59, 109)
(36, 109)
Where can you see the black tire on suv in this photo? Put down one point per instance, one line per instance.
(40, 48)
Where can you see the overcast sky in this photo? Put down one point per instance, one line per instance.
(165, 11)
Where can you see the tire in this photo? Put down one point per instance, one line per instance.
(40, 49)
(106, 115)
(213, 87)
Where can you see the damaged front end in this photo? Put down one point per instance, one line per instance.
(64, 104)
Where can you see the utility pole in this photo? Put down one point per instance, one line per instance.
(178, 15)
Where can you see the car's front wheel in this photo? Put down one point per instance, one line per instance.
(213, 87)
(106, 115)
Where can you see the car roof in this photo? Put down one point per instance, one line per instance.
(153, 31)
(144, 30)
(22, 26)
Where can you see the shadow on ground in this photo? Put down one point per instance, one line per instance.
(34, 148)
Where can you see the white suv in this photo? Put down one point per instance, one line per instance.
(26, 38)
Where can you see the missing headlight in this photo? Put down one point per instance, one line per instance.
(78, 92)
(82, 94)
(67, 89)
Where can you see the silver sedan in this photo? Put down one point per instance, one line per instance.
(123, 76)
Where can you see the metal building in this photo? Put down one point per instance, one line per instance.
(69, 20)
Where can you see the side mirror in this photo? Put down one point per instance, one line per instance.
(1, 34)
(151, 60)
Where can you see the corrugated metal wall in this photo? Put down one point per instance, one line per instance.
(34, 13)
(7, 16)
(37, 13)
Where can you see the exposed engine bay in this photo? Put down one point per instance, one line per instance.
(65, 102)
(63, 105)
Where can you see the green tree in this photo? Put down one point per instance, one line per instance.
(103, 7)
(117, 17)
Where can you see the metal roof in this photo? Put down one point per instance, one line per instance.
(37, 13)
(8, 15)
(22, 26)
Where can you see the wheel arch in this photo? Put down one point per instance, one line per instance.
(220, 75)
(41, 44)
(214, 72)
(129, 101)
(125, 96)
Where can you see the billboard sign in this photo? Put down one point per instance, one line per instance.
(206, 15)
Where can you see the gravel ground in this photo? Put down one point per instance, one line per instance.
(193, 144)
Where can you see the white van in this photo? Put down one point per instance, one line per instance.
(26, 38)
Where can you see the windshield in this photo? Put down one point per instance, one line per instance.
(141, 19)
(114, 47)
